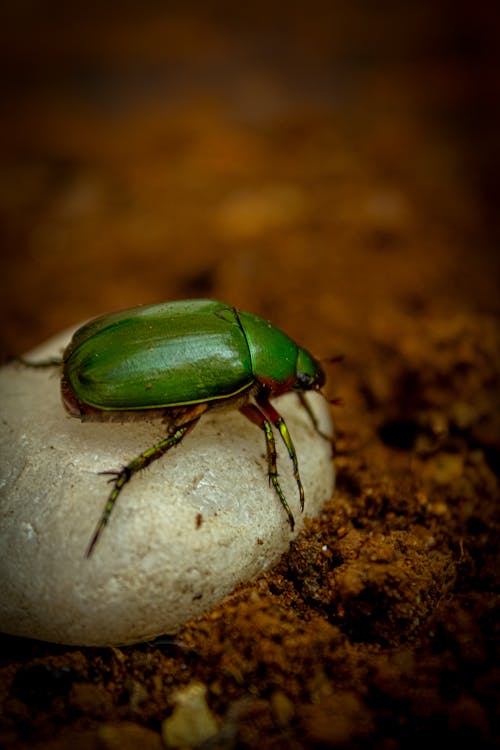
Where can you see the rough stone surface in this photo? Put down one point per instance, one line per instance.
(184, 532)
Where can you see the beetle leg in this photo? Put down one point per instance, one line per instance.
(49, 362)
(280, 425)
(257, 417)
(189, 420)
(312, 416)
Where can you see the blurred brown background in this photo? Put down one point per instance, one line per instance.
(327, 164)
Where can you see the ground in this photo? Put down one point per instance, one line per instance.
(333, 170)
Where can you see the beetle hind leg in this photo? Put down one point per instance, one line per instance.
(120, 478)
(257, 417)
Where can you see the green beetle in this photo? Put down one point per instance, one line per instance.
(182, 358)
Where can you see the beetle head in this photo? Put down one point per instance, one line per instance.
(309, 373)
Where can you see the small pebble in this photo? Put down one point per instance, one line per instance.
(191, 722)
(183, 534)
(282, 708)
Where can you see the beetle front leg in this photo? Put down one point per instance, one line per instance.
(257, 417)
(280, 425)
(123, 476)
(312, 416)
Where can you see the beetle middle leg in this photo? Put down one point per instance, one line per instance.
(178, 432)
(259, 418)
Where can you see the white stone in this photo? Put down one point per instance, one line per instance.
(155, 566)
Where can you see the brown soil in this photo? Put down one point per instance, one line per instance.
(335, 171)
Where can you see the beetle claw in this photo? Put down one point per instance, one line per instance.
(116, 475)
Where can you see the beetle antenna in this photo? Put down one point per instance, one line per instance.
(333, 360)
(338, 401)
